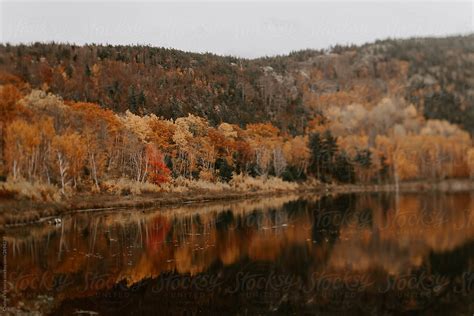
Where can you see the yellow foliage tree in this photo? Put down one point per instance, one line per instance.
(69, 150)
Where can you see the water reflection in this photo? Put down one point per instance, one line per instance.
(358, 253)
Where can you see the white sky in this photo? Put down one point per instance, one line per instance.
(243, 28)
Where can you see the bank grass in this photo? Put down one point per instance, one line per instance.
(239, 183)
(25, 190)
(244, 183)
(125, 186)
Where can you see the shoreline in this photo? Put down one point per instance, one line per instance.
(15, 213)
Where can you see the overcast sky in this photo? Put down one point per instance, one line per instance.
(237, 28)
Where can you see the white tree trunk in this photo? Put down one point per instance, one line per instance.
(62, 171)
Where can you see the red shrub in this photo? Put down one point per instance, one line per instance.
(159, 172)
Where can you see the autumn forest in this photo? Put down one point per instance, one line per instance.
(133, 119)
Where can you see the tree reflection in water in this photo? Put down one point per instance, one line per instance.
(295, 254)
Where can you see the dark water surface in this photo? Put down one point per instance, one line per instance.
(350, 254)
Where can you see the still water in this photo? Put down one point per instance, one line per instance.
(358, 254)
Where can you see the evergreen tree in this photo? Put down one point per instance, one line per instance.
(329, 151)
(316, 148)
(88, 71)
(225, 170)
(384, 167)
(132, 100)
(364, 158)
(343, 169)
(141, 99)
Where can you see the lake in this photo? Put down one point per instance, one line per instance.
(357, 253)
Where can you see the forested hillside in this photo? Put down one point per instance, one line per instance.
(436, 75)
(119, 119)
